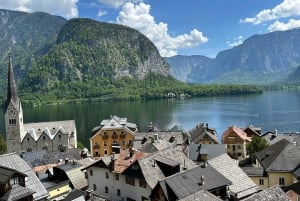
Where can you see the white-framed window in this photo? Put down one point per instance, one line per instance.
(261, 181)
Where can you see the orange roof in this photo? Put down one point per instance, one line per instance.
(237, 131)
(124, 161)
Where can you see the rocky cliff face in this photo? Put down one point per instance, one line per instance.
(47, 49)
(260, 59)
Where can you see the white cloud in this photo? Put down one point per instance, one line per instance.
(118, 3)
(138, 17)
(65, 8)
(101, 13)
(280, 26)
(238, 41)
(285, 9)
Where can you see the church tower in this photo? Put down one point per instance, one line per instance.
(13, 114)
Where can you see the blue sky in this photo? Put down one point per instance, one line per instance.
(176, 27)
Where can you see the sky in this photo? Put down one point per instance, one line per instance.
(177, 27)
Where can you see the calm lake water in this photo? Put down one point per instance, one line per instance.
(271, 110)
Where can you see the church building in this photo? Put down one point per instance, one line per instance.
(49, 136)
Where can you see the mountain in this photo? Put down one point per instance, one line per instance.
(261, 59)
(50, 54)
(27, 36)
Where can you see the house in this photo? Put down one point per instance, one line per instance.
(48, 136)
(242, 186)
(12, 185)
(112, 135)
(270, 194)
(281, 164)
(236, 140)
(132, 174)
(202, 134)
(203, 152)
(188, 182)
(150, 142)
(18, 179)
(252, 131)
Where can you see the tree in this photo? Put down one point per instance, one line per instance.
(257, 144)
(2, 145)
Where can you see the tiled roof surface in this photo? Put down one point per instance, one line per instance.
(163, 141)
(151, 170)
(74, 174)
(242, 185)
(201, 195)
(253, 171)
(270, 194)
(14, 161)
(239, 132)
(122, 162)
(212, 150)
(188, 182)
(197, 133)
(17, 192)
(267, 156)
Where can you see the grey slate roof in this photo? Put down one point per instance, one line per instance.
(14, 161)
(17, 192)
(282, 156)
(201, 195)
(74, 174)
(270, 194)
(6, 173)
(242, 185)
(187, 182)
(41, 157)
(212, 150)
(153, 173)
(253, 171)
(164, 139)
(200, 131)
(50, 128)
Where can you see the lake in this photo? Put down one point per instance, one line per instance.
(271, 110)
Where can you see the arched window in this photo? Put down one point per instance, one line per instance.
(60, 148)
(29, 150)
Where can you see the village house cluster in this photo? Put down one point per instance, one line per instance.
(123, 164)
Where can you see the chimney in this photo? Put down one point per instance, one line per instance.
(275, 133)
(202, 180)
(155, 136)
(131, 151)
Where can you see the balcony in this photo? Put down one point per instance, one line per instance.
(114, 136)
(123, 135)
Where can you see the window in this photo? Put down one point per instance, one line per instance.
(106, 175)
(281, 181)
(106, 189)
(29, 150)
(239, 147)
(261, 181)
(28, 139)
(228, 146)
(130, 180)
(91, 172)
(105, 143)
(117, 177)
(118, 192)
(123, 142)
(142, 182)
(95, 187)
(105, 151)
(115, 142)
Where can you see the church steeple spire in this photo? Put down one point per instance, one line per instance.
(12, 95)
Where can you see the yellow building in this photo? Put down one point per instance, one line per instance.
(59, 190)
(112, 135)
(236, 140)
(278, 164)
